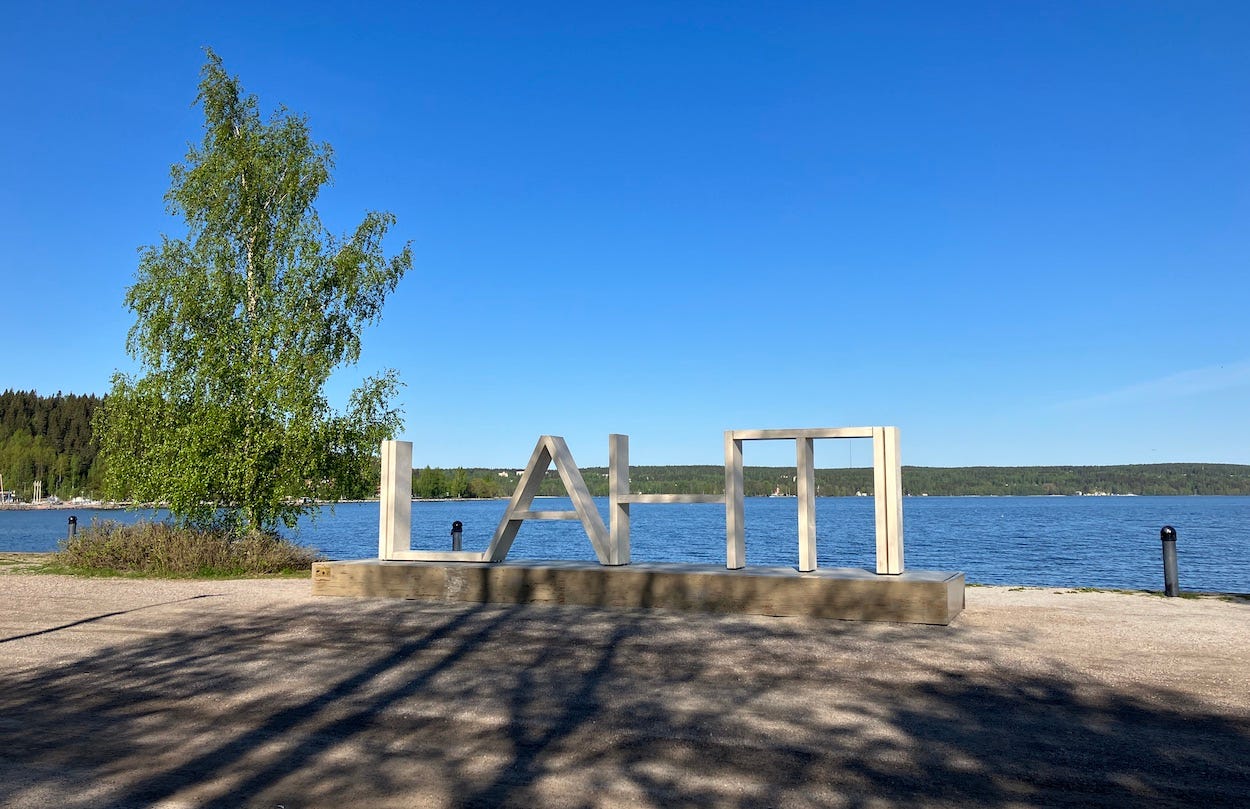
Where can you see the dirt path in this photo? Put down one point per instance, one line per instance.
(123, 693)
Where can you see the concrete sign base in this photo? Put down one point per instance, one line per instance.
(916, 596)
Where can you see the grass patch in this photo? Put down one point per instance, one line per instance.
(1121, 591)
(1186, 594)
(162, 550)
(13, 562)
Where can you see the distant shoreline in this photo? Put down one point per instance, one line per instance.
(96, 505)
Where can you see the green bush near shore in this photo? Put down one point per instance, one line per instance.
(168, 551)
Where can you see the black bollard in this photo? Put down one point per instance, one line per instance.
(73, 526)
(456, 528)
(1171, 581)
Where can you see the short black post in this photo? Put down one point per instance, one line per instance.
(73, 526)
(456, 528)
(1171, 581)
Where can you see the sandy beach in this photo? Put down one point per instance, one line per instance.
(138, 693)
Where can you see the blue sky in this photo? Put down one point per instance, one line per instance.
(1018, 231)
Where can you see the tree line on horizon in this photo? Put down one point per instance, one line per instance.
(763, 481)
(51, 439)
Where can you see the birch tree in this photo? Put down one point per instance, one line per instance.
(239, 325)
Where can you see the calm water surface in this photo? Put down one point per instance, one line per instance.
(1050, 541)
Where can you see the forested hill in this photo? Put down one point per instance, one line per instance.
(1142, 479)
(47, 438)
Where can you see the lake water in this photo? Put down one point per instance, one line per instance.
(1047, 541)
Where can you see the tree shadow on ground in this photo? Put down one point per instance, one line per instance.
(355, 703)
(102, 616)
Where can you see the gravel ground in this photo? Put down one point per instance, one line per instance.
(141, 693)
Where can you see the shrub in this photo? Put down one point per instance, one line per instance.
(163, 549)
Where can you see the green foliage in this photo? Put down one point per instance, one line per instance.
(1141, 479)
(48, 438)
(429, 484)
(165, 550)
(458, 484)
(239, 326)
(485, 487)
(761, 481)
